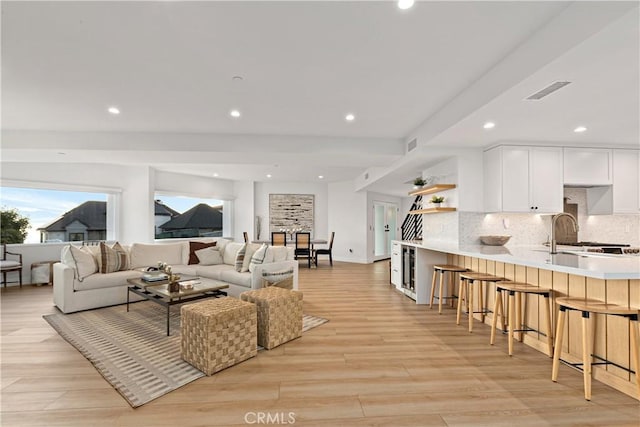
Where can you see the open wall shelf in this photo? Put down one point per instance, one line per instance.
(431, 210)
(432, 189)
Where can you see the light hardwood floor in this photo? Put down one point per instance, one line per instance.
(380, 361)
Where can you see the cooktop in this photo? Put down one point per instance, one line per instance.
(598, 244)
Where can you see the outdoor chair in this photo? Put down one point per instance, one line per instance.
(10, 265)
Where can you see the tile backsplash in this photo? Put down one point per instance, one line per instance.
(534, 229)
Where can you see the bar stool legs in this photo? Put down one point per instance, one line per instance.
(515, 322)
(442, 270)
(465, 291)
(586, 307)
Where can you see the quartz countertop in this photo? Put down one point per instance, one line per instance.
(599, 266)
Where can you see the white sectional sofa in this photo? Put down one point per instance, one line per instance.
(74, 291)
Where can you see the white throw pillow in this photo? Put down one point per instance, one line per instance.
(258, 257)
(230, 251)
(251, 249)
(209, 256)
(84, 262)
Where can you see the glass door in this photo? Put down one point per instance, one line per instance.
(384, 228)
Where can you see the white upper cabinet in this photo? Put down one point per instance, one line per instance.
(626, 181)
(523, 179)
(588, 166)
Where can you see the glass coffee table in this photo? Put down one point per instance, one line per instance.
(158, 292)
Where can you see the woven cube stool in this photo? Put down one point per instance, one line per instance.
(218, 333)
(279, 314)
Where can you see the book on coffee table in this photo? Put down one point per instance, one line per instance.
(154, 277)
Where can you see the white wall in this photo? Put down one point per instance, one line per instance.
(378, 197)
(243, 210)
(320, 209)
(194, 186)
(347, 216)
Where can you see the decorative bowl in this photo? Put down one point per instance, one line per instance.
(494, 240)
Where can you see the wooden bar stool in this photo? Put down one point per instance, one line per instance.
(466, 292)
(442, 269)
(516, 324)
(588, 306)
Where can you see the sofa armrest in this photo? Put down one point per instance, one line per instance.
(63, 277)
(256, 276)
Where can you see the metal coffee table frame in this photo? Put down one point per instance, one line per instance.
(152, 292)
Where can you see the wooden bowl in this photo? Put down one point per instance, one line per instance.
(494, 240)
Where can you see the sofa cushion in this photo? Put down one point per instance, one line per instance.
(258, 257)
(279, 253)
(196, 246)
(189, 270)
(221, 244)
(112, 258)
(209, 256)
(230, 251)
(145, 255)
(81, 260)
(99, 281)
(236, 278)
(213, 271)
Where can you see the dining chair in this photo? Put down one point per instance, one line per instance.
(246, 236)
(326, 251)
(8, 265)
(278, 238)
(303, 246)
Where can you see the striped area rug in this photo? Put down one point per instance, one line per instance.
(132, 350)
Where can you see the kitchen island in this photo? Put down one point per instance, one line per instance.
(610, 278)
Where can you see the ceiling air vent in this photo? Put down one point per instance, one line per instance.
(547, 90)
(412, 144)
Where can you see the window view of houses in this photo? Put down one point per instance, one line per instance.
(65, 216)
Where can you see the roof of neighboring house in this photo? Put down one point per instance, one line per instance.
(199, 216)
(162, 209)
(93, 214)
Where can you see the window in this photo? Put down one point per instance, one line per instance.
(59, 216)
(179, 217)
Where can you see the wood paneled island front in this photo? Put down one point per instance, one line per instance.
(611, 279)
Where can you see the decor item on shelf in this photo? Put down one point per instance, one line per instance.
(437, 200)
(418, 183)
(494, 240)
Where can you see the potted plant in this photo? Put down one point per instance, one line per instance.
(437, 200)
(418, 183)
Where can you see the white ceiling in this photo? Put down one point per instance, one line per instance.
(169, 66)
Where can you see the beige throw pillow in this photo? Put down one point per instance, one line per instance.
(85, 263)
(112, 258)
(209, 256)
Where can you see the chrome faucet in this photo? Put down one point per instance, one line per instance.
(553, 229)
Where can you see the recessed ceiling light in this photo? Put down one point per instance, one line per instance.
(215, 174)
(237, 78)
(320, 176)
(349, 117)
(113, 110)
(580, 129)
(489, 125)
(235, 113)
(61, 153)
(268, 175)
(405, 4)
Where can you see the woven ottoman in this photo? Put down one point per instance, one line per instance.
(279, 315)
(218, 333)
